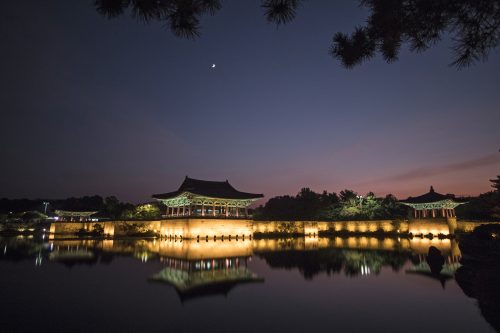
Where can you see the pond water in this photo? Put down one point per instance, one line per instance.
(295, 285)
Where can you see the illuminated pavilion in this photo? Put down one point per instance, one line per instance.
(71, 215)
(432, 205)
(207, 198)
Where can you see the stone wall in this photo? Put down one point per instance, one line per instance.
(183, 227)
(314, 227)
(468, 226)
(193, 228)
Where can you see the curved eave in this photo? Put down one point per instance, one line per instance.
(448, 203)
(251, 196)
(74, 213)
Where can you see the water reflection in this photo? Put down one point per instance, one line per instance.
(197, 278)
(205, 269)
(186, 262)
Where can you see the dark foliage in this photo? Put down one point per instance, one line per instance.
(474, 25)
(495, 183)
(484, 207)
(109, 207)
(480, 273)
(181, 16)
(280, 11)
(348, 205)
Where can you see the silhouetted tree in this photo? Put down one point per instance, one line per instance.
(113, 208)
(392, 208)
(474, 25)
(496, 184)
(484, 207)
(309, 205)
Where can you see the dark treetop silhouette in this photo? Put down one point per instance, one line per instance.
(474, 25)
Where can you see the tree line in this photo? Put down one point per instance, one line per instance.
(108, 207)
(486, 206)
(347, 205)
(306, 205)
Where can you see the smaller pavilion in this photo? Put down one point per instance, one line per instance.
(207, 198)
(432, 205)
(71, 215)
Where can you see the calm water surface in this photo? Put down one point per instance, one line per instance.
(300, 285)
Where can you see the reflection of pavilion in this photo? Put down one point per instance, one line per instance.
(447, 272)
(196, 278)
(440, 263)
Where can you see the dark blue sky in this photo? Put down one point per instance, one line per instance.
(97, 106)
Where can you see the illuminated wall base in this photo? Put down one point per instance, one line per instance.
(182, 228)
(203, 229)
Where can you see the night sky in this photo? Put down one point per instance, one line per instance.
(117, 107)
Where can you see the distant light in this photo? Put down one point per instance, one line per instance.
(213, 65)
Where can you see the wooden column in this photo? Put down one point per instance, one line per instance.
(237, 212)
(202, 209)
(246, 211)
(227, 210)
(213, 209)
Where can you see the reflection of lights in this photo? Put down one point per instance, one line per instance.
(365, 270)
(51, 246)
(38, 260)
(5, 250)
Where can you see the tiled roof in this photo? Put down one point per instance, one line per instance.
(213, 189)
